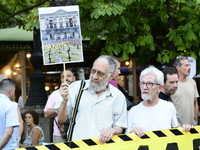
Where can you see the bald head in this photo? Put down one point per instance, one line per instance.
(69, 76)
(110, 62)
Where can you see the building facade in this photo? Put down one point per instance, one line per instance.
(60, 25)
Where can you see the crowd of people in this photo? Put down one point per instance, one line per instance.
(97, 107)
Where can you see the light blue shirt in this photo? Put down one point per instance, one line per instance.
(9, 118)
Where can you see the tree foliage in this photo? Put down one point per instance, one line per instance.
(145, 29)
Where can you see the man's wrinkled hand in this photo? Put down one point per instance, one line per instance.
(138, 130)
(106, 135)
(187, 127)
(64, 91)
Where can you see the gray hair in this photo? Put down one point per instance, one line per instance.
(152, 70)
(6, 85)
(178, 60)
(111, 62)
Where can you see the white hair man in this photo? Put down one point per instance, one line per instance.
(152, 113)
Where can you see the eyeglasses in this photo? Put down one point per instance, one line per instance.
(148, 84)
(99, 73)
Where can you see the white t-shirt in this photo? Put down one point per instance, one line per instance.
(160, 116)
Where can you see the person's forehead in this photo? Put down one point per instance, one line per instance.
(118, 64)
(67, 73)
(172, 77)
(101, 65)
(148, 77)
(28, 114)
(183, 62)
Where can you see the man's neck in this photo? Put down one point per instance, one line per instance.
(163, 91)
(100, 93)
(182, 78)
(151, 103)
(7, 95)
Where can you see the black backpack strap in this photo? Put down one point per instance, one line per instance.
(73, 119)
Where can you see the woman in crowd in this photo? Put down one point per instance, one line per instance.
(34, 134)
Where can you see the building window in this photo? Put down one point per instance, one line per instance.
(51, 24)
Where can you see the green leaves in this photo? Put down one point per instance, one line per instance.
(190, 35)
(143, 29)
(166, 55)
(126, 1)
(144, 40)
(126, 49)
(178, 40)
(22, 13)
(103, 9)
(193, 55)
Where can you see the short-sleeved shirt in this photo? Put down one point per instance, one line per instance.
(55, 95)
(9, 118)
(95, 114)
(183, 100)
(161, 116)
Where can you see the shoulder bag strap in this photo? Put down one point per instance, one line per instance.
(59, 127)
(72, 120)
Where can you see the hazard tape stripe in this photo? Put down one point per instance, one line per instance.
(167, 133)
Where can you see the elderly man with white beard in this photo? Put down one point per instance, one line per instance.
(102, 109)
(152, 113)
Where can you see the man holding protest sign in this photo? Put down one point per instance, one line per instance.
(102, 109)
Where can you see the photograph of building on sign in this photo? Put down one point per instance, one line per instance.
(60, 35)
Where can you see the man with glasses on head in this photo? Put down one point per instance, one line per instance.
(152, 113)
(102, 109)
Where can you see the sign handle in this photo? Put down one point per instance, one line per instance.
(64, 72)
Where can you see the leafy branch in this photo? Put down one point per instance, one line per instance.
(21, 11)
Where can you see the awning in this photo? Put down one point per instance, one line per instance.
(15, 34)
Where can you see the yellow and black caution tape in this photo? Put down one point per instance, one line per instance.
(168, 139)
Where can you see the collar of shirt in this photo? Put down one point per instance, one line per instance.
(5, 97)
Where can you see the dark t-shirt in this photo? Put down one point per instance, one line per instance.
(165, 97)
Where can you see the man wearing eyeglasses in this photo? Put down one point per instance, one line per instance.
(102, 109)
(170, 84)
(152, 113)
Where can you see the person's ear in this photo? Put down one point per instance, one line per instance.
(112, 76)
(178, 67)
(160, 87)
(10, 91)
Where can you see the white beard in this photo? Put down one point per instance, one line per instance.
(146, 97)
(101, 85)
